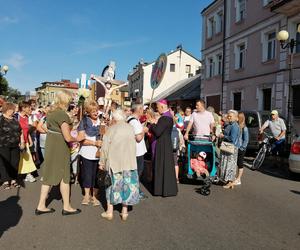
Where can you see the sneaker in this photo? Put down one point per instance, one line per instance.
(30, 178)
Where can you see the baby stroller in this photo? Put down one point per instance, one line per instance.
(195, 145)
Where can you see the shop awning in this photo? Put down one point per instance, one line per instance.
(186, 89)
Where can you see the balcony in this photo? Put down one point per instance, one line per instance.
(285, 7)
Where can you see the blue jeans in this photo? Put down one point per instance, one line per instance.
(277, 147)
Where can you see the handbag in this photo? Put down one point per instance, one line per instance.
(103, 179)
(227, 147)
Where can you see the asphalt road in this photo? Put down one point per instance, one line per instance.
(263, 213)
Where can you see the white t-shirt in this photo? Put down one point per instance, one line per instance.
(89, 152)
(138, 129)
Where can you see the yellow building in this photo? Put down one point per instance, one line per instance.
(47, 92)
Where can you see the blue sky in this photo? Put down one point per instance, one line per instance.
(46, 40)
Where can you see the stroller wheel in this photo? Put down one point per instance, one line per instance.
(215, 179)
(205, 191)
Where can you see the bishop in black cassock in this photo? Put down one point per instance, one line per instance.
(165, 183)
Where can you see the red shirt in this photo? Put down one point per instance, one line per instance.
(25, 127)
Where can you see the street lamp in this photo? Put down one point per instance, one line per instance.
(282, 37)
(3, 70)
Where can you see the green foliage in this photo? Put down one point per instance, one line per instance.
(3, 85)
(13, 94)
(10, 94)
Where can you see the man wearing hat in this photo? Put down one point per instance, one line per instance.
(278, 129)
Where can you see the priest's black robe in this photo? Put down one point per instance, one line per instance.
(165, 183)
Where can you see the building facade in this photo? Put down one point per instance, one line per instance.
(180, 65)
(245, 66)
(47, 92)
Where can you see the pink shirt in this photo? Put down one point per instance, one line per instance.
(197, 165)
(201, 122)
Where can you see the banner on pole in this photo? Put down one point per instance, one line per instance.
(158, 71)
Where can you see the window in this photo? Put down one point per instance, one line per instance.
(296, 103)
(241, 56)
(214, 101)
(219, 66)
(210, 27)
(267, 99)
(210, 67)
(172, 67)
(188, 69)
(298, 38)
(219, 24)
(271, 46)
(237, 100)
(240, 10)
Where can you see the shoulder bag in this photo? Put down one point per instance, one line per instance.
(227, 147)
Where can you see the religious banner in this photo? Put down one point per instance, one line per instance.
(158, 71)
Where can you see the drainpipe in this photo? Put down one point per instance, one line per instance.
(224, 51)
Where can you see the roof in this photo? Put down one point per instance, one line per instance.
(210, 5)
(186, 89)
(63, 83)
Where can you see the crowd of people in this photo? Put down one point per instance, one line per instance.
(71, 145)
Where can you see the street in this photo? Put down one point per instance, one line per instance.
(263, 213)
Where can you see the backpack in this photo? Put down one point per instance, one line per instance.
(175, 139)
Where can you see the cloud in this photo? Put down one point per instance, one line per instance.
(16, 60)
(8, 20)
(85, 48)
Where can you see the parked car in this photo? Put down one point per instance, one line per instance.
(254, 121)
(294, 159)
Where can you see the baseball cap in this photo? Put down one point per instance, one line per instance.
(274, 112)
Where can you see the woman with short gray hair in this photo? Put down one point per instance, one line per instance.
(118, 157)
(228, 162)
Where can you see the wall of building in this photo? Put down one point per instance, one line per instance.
(258, 73)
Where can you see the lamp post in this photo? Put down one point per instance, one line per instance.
(3, 70)
(282, 37)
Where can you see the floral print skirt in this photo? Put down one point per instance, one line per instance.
(124, 189)
(228, 166)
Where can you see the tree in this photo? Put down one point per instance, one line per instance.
(3, 85)
(12, 94)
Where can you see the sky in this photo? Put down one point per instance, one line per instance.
(49, 40)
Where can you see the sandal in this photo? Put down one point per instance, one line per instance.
(107, 216)
(85, 202)
(124, 216)
(95, 202)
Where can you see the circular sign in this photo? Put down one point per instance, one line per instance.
(158, 71)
